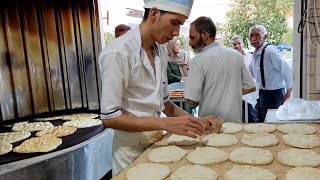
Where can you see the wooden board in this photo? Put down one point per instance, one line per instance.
(275, 167)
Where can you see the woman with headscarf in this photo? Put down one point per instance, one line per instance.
(178, 61)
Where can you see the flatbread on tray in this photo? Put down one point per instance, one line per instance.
(57, 131)
(38, 144)
(12, 137)
(35, 126)
(79, 116)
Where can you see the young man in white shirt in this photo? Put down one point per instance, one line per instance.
(134, 85)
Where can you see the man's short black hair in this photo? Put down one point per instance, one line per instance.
(146, 13)
(203, 24)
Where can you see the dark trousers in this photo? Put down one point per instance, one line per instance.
(252, 113)
(269, 99)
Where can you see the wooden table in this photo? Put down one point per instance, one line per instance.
(275, 167)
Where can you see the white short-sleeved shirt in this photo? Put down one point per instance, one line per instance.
(215, 80)
(131, 86)
(247, 59)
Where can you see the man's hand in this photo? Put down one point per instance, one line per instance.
(184, 125)
(287, 95)
(212, 123)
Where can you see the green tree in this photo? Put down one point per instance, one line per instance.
(246, 13)
(108, 36)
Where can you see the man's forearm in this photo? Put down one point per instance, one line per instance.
(247, 91)
(172, 110)
(133, 123)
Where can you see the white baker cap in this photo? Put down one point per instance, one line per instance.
(177, 6)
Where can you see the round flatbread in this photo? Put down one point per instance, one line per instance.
(219, 140)
(12, 137)
(83, 123)
(148, 171)
(259, 140)
(207, 155)
(297, 128)
(48, 118)
(251, 156)
(36, 126)
(179, 140)
(194, 172)
(5, 148)
(38, 144)
(299, 173)
(79, 116)
(301, 140)
(166, 154)
(299, 157)
(57, 131)
(230, 128)
(245, 172)
(260, 128)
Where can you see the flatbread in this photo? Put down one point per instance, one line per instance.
(179, 140)
(245, 172)
(5, 148)
(207, 155)
(230, 128)
(38, 144)
(167, 154)
(219, 140)
(57, 131)
(297, 128)
(301, 140)
(48, 118)
(299, 173)
(194, 172)
(148, 171)
(259, 140)
(12, 137)
(35, 126)
(83, 123)
(79, 116)
(299, 157)
(260, 128)
(251, 156)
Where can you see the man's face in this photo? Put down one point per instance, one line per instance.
(256, 37)
(237, 45)
(166, 26)
(195, 41)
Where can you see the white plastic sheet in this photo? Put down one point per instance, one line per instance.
(299, 109)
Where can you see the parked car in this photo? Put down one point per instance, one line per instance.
(284, 48)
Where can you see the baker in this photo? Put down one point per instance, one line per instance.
(134, 85)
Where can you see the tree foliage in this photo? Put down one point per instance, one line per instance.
(108, 36)
(270, 13)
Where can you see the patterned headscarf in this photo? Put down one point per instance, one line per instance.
(178, 6)
(181, 58)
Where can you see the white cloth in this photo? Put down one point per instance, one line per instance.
(130, 86)
(247, 59)
(250, 98)
(178, 6)
(215, 80)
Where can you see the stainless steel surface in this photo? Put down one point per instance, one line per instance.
(89, 160)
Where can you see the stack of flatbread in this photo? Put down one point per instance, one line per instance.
(178, 93)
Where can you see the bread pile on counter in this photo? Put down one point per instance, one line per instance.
(250, 161)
